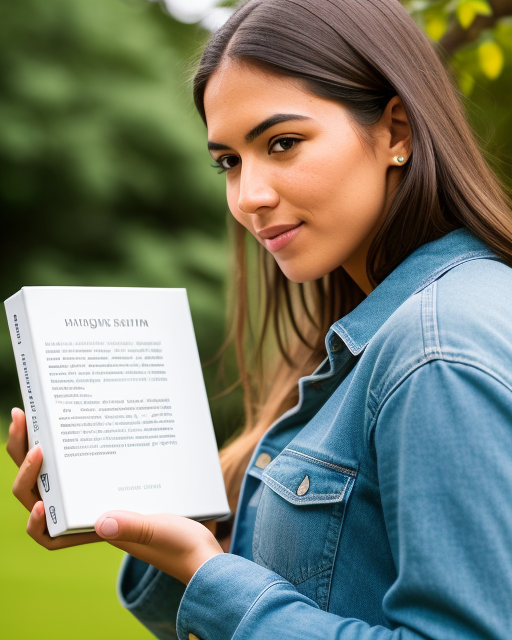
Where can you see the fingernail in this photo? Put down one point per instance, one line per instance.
(34, 451)
(13, 410)
(109, 528)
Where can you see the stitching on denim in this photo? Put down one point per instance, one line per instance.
(280, 421)
(424, 332)
(327, 578)
(143, 593)
(410, 364)
(302, 383)
(444, 358)
(348, 340)
(372, 401)
(466, 257)
(335, 497)
(255, 498)
(256, 533)
(326, 561)
(328, 556)
(317, 573)
(346, 470)
(356, 348)
(258, 597)
(429, 320)
(434, 319)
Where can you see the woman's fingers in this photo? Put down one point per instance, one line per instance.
(25, 488)
(17, 445)
(25, 484)
(173, 544)
(36, 529)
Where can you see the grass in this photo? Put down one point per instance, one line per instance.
(61, 595)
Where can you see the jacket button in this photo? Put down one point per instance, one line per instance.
(262, 460)
(303, 487)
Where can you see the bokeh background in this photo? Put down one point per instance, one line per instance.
(105, 181)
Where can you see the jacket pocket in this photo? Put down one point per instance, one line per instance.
(299, 520)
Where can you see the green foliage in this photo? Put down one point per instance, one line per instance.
(104, 173)
(467, 10)
(486, 59)
(432, 17)
(491, 59)
(476, 46)
(492, 46)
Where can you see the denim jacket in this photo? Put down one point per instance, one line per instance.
(380, 506)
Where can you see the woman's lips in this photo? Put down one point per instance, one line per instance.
(282, 238)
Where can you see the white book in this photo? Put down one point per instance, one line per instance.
(114, 393)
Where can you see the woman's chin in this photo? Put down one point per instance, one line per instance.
(300, 274)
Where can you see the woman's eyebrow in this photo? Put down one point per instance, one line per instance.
(270, 122)
(278, 118)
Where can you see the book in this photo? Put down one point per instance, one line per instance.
(113, 391)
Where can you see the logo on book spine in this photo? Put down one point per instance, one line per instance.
(45, 481)
(17, 328)
(53, 515)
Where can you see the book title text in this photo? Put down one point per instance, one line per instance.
(95, 323)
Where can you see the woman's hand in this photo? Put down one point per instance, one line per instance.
(174, 544)
(25, 488)
(171, 543)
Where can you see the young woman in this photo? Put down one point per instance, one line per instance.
(373, 497)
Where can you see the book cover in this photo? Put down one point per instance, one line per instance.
(114, 393)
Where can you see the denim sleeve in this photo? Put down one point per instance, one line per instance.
(443, 441)
(444, 451)
(152, 596)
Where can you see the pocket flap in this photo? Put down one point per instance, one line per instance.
(302, 479)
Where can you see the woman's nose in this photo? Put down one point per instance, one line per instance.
(256, 192)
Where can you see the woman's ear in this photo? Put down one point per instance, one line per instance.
(395, 125)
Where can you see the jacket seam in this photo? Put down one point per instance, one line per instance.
(428, 360)
(145, 592)
(429, 327)
(345, 470)
(256, 600)
(476, 254)
(314, 498)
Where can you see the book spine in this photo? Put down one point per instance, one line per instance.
(38, 425)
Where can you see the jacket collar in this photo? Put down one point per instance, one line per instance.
(417, 271)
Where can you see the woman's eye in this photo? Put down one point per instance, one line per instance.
(226, 162)
(283, 144)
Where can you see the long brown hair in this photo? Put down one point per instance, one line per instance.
(359, 53)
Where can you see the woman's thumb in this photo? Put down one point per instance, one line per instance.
(125, 526)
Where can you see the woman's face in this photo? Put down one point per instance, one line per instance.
(299, 175)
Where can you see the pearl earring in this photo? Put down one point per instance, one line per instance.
(399, 159)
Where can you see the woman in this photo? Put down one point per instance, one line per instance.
(372, 502)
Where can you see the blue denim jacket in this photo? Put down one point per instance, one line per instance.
(382, 506)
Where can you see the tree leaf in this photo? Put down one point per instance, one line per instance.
(467, 10)
(466, 84)
(435, 27)
(491, 59)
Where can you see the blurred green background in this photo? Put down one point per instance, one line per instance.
(105, 180)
